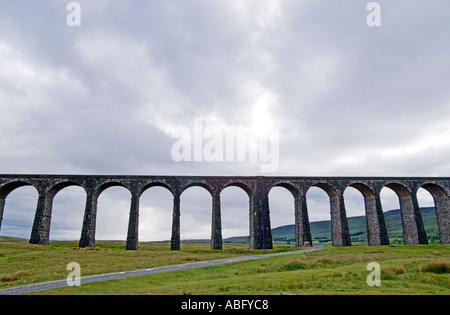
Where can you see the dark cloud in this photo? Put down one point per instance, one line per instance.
(348, 99)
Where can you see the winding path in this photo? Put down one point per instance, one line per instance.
(142, 272)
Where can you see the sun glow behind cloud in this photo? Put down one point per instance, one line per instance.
(262, 119)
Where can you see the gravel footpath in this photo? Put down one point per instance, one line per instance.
(142, 272)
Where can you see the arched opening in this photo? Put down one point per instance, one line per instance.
(195, 214)
(282, 214)
(340, 235)
(67, 213)
(392, 216)
(433, 199)
(155, 215)
(235, 215)
(19, 208)
(318, 204)
(411, 220)
(428, 213)
(356, 214)
(113, 208)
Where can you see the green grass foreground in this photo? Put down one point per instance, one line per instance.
(419, 269)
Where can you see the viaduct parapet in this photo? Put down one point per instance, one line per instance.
(257, 189)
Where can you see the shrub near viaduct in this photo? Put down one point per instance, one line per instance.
(257, 189)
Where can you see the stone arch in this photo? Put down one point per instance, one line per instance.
(6, 189)
(355, 196)
(340, 235)
(317, 205)
(53, 192)
(195, 183)
(330, 190)
(217, 222)
(442, 207)
(133, 222)
(413, 229)
(401, 190)
(294, 216)
(158, 196)
(290, 187)
(364, 189)
(188, 212)
(57, 187)
(40, 233)
(437, 191)
(244, 186)
(97, 193)
(375, 223)
(234, 208)
(101, 187)
(155, 184)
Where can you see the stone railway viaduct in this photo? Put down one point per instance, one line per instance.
(257, 189)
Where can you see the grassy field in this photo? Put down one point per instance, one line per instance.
(321, 231)
(421, 269)
(22, 263)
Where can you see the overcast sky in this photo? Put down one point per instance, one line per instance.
(104, 98)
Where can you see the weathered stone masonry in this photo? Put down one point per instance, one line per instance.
(257, 189)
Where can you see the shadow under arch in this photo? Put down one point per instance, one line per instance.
(442, 208)
(340, 235)
(412, 224)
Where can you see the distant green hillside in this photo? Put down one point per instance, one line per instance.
(321, 231)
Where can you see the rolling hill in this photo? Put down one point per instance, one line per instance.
(321, 230)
